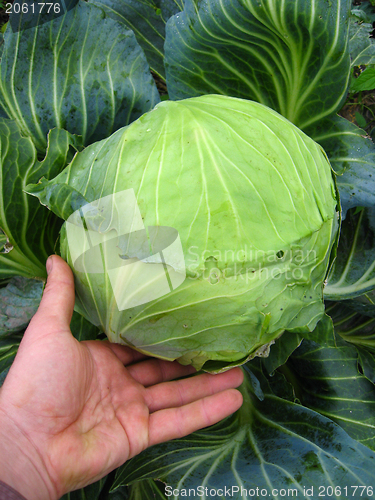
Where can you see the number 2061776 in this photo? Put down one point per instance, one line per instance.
(364, 492)
(34, 8)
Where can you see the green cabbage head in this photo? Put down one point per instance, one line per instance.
(230, 215)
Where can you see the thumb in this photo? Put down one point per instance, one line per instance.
(56, 307)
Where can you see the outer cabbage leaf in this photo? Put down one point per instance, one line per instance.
(29, 230)
(62, 79)
(171, 7)
(330, 383)
(358, 330)
(366, 360)
(256, 226)
(19, 301)
(352, 155)
(290, 341)
(147, 19)
(364, 304)
(281, 350)
(344, 143)
(353, 327)
(291, 55)
(324, 333)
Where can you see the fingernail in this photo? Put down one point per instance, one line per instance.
(49, 264)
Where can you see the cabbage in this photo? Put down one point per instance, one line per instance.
(212, 235)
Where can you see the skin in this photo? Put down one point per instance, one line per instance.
(71, 412)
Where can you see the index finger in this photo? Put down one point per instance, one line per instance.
(174, 423)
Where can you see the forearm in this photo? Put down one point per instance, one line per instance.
(21, 467)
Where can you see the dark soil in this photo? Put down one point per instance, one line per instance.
(362, 104)
(160, 84)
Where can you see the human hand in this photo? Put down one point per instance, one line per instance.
(70, 412)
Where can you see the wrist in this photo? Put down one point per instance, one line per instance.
(21, 465)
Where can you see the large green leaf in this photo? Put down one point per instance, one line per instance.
(290, 55)
(366, 361)
(281, 350)
(19, 301)
(147, 19)
(81, 72)
(358, 330)
(65, 196)
(323, 333)
(171, 7)
(29, 228)
(353, 272)
(352, 326)
(331, 385)
(269, 443)
(364, 304)
(352, 156)
(357, 184)
(346, 145)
